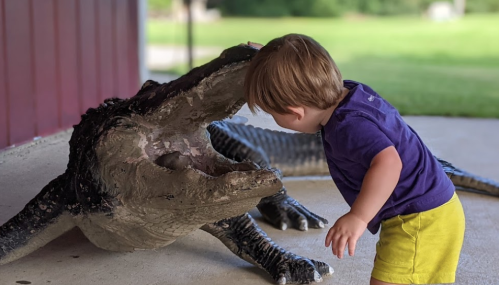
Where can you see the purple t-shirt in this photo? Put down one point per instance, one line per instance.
(364, 124)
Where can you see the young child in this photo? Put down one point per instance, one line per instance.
(380, 165)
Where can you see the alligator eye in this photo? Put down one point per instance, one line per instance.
(174, 160)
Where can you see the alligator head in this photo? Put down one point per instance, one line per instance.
(153, 151)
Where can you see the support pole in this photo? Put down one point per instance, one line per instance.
(460, 6)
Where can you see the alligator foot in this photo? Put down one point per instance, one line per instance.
(282, 211)
(43, 219)
(244, 238)
(301, 270)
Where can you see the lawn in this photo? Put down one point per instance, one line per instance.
(421, 67)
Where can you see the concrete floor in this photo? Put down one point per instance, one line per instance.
(201, 259)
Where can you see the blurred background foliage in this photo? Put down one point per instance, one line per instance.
(423, 67)
(324, 8)
(333, 8)
(159, 6)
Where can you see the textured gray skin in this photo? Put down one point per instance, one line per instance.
(297, 154)
(145, 171)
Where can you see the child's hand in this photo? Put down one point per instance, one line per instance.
(255, 45)
(347, 229)
(252, 44)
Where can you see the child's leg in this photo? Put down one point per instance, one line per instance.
(420, 248)
(377, 282)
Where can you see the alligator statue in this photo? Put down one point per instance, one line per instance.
(147, 170)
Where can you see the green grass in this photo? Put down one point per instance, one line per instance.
(421, 67)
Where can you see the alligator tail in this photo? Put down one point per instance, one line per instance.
(295, 154)
(43, 219)
(469, 182)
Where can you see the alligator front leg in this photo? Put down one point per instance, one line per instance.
(282, 210)
(43, 219)
(244, 238)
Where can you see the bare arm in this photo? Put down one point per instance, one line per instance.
(379, 183)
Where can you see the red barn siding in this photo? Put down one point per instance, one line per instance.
(133, 49)
(44, 67)
(60, 57)
(107, 70)
(121, 48)
(67, 62)
(19, 69)
(88, 53)
(4, 111)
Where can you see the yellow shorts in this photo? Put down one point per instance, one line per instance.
(421, 248)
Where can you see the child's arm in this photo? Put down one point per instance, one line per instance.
(252, 44)
(255, 45)
(377, 186)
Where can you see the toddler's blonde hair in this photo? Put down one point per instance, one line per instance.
(292, 71)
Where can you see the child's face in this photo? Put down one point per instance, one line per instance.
(304, 122)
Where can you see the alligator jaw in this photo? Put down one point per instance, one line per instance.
(216, 97)
(183, 121)
(161, 156)
(207, 93)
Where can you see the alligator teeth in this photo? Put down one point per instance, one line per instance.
(284, 226)
(304, 225)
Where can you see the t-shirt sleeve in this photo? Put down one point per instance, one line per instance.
(359, 139)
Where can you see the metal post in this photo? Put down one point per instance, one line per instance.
(189, 33)
(460, 6)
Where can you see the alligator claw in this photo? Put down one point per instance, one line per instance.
(296, 269)
(282, 211)
(284, 226)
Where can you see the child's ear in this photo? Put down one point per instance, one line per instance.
(298, 111)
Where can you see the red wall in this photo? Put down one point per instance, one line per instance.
(60, 57)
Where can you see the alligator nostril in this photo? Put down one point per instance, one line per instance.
(174, 160)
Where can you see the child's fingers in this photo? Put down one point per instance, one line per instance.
(256, 45)
(329, 237)
(334, 243)
(336, 246)
(339, 245)
(352, 243)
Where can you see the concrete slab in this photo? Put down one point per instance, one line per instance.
(201, 259)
